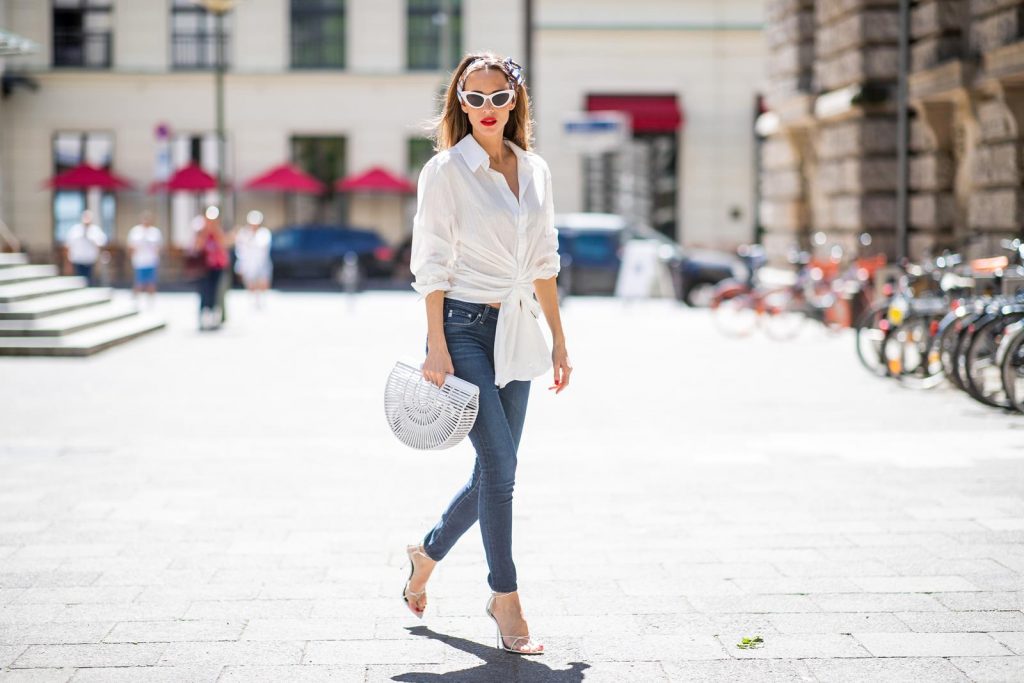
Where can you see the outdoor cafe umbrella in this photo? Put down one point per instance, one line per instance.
(377, 180)
(287, 179)
(85, 176)
(190, 178)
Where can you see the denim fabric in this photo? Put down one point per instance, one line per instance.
(487, 496)
(84, 270)
(208, 288)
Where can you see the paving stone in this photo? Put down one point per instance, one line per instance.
(1003, 600)
(838, 622)
(963, 622)
(79, 632)
(374, 652)
(172, 631)
(913, 584)
(800, 646)
(755, 603)
(36, 675)
(150, 674)
(308, 673)
(1013, 640)
(89, 654)
(990, 669)
(901, 670)
(877, 602)
(248, 652)
(308, 629)
(931, 644)
(751, 671)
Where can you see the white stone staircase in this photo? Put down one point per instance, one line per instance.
(45, 314)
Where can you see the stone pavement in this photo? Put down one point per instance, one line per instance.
(231, 507)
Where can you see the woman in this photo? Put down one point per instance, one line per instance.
(484, 243)
(252, 256)
(211, 246)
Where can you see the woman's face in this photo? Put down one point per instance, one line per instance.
(487, 120)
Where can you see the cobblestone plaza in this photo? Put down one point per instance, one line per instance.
(231, 507)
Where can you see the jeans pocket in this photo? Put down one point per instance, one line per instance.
(457, 316)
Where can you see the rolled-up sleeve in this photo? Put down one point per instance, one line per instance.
(433, 236)
(547, 263)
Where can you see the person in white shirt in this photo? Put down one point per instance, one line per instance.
(84, 241)
(483, 245)
(252, 256)
(144, 243)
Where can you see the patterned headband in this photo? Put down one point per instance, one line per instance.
(513, 71)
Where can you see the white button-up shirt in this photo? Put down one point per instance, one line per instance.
(473, 240)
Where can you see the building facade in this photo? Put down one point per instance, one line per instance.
(830, 157)
(339, 86)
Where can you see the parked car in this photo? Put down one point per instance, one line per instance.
(591, 246)
(318, 251)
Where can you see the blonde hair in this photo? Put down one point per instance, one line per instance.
(453, 124)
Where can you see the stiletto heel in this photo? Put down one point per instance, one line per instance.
(529, 647)
(411, 550)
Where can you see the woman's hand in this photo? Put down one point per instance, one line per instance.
(438, 364)
(560, 365)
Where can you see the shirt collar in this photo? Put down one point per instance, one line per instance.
(476, 156)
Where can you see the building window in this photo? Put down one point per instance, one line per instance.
(420, 152)
(81, 33)
(71, 148)
(318, 34)
(194, 36)
(324, 158)
(434, 38)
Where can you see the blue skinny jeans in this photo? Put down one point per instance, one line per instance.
(469, 332)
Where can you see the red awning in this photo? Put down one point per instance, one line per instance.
(377, 179)
(285, 178)
(650, 113)
(191, 178)
(85, 176)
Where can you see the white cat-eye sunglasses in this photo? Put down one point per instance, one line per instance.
(477, 100)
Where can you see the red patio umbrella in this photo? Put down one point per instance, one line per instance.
(190, 178)
(84, 176)
(285, 178)
(378, 180)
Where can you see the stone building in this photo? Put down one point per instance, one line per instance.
(829, 161)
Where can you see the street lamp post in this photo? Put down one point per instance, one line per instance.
(219, 8)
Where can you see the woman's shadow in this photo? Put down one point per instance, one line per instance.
(497, 666)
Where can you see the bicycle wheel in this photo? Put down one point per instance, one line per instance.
(910, 347)
(870, 336)
(1013, 368)
(735, 314)
(983, 374)
(783, 314)
(953, 346)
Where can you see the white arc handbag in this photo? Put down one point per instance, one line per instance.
(425, 416)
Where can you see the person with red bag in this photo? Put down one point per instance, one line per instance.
(211, 247)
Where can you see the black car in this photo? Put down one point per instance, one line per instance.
(591, 246)
(318, 251)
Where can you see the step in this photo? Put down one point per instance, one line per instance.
(42, 306)
(15, 259)
(28, 290)
(64, 324)
(9, 276)
(86, 342)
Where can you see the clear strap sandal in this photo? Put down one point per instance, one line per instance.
(528, 647)
(411, 550)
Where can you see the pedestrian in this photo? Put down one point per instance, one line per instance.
(211, 245)
(252, 256)
(84, 240)
(144, 243)
(484, 243)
